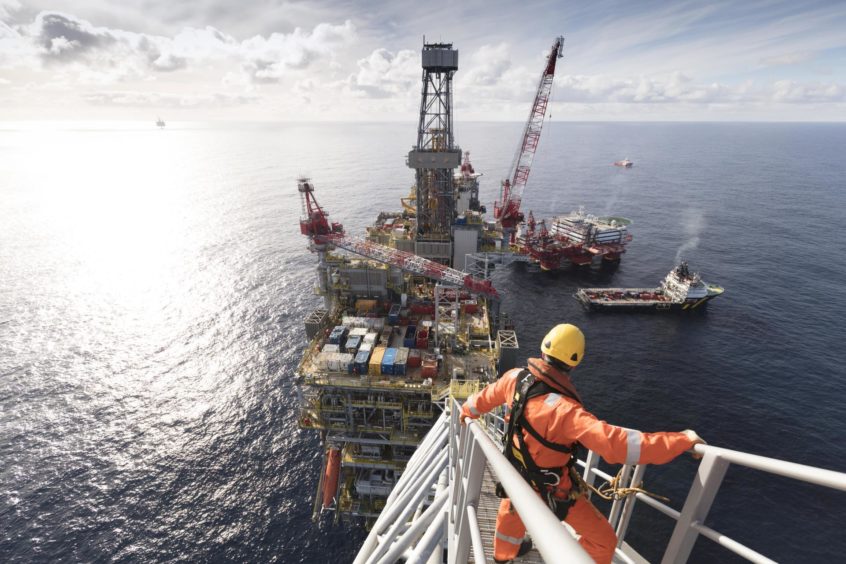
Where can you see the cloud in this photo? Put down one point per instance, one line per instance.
(161, 99)
(811, 93)
(267, 59)
(384, 74)
(787, 59)
(7, 7)
(487, 65)
(63, 40)
(673, 88)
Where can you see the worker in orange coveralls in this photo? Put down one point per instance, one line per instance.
(546, 421)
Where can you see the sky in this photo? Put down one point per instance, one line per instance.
(351, 60)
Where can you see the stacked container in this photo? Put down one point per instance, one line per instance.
(336, 337)
(408, 341)
(353, 343)
(371, 338)
(388, 361)
(400, 361)
(368, 323)
(360, 363)
(385, 339)
(413, 358)
(331, 348)
(335, 362)
(429, 366)
(375, 365)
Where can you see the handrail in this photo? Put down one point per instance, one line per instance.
(435, 501)
(550, 537)
(819, 476)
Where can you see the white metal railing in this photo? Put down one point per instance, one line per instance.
(435, 502)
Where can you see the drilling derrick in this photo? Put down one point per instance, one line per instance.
(435, 156)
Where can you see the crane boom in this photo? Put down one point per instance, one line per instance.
(409, 262)
(315, 225)
(507, 210)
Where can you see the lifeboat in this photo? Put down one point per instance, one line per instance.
(330, 479)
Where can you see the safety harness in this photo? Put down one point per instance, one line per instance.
(544, 480)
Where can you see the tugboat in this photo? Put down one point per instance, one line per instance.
(625, 163)
(680, 290)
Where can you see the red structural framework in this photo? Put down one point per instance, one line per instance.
(315, 225)
(507, 210)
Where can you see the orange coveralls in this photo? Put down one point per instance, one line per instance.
(562, 420)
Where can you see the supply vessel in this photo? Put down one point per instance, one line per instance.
(681, 289)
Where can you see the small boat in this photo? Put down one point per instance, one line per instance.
(625, 163)
(160, 123)
(680, 290)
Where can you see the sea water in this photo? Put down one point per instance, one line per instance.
(153, 286)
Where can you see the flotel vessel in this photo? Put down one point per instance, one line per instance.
(681, 289)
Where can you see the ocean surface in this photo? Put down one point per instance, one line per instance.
(153, 286)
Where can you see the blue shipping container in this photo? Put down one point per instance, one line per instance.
(388, 361)
(361, 360)
(410, 333)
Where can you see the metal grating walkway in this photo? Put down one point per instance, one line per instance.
(487, 510)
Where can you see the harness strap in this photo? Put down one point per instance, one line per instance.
(539, 478)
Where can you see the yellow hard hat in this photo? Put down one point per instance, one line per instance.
(565, 342)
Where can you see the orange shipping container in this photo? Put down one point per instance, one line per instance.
(375, 366)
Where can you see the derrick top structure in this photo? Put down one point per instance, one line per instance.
(435, 155)
(507, 210)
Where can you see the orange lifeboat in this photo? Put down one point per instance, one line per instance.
(330, 479)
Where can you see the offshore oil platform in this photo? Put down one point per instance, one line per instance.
(399, 329)
(409, 316)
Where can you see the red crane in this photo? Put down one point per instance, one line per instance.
(315, 225)
(507, 209)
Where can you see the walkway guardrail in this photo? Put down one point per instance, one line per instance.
(434, 505)
(471, 450)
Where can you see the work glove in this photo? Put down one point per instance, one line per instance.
(696, 439)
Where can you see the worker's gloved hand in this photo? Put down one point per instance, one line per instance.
(696, 439)
(463, 418)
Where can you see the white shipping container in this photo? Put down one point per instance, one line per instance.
(331, 348)
(344, 361)
(322, 361)
(358, 332)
